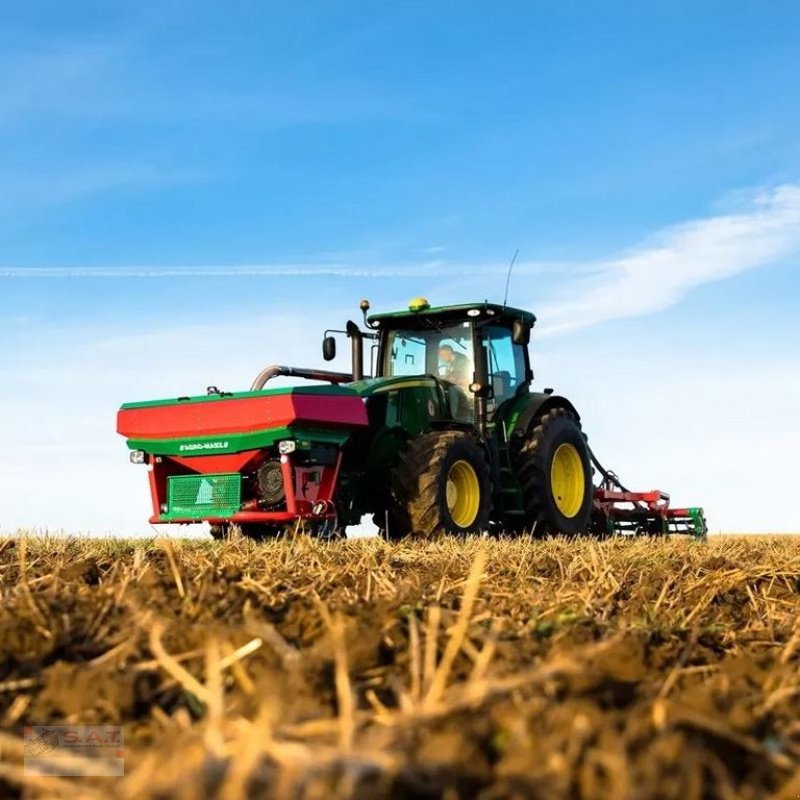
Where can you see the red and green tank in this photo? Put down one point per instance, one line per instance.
(213, 457)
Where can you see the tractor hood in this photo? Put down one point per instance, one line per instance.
(230, 423)
(369, 386)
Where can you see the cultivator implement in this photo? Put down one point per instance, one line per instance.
(618, 511)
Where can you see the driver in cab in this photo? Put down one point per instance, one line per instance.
(455, 367)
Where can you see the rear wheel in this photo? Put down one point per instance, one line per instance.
(555, 473)
(440, 485)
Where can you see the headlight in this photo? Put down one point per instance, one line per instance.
(287, 446)
(138, 457)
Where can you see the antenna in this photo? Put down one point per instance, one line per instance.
(508, 277)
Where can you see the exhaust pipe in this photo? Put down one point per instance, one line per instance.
(357, 345)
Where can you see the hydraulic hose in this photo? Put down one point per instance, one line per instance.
(610, 477)
(274, 370)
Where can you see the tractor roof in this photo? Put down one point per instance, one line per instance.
(419, 307)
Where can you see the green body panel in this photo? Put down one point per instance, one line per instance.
(399, 408)
(367, 387)
(409, 403)
(215, 398)
(513, 420)
(518, 410)
(515, 408)
(699, 524)
(237, 442)
(412, 404)
(410, 410)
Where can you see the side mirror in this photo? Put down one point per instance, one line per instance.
(329, 348)
(521, 332)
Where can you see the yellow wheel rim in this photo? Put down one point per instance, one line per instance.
(567, 480)
(463, 494)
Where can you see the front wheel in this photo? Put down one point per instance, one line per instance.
(555, 473)
(440, 485)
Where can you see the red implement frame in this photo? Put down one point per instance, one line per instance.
(619, 511)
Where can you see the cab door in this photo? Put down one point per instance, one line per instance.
(507, 365)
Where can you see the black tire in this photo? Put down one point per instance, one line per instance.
(534, 464)
(419, 486)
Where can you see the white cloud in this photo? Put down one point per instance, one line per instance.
(651, 277)
(661, 272)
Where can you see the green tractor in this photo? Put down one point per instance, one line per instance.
(457, 440)
(445, 436)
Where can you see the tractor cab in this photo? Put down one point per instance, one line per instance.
(478, 351)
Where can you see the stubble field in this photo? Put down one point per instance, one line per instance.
(449, 669)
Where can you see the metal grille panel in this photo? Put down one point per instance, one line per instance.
(201, 496)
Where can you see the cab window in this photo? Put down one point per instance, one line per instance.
(506, 362)
(407, 354)
(446, 352)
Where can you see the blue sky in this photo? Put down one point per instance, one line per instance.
(196, 173)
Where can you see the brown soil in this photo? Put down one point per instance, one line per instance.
(361, 669)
